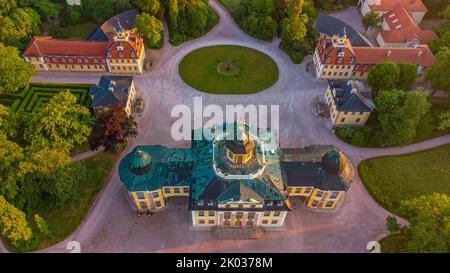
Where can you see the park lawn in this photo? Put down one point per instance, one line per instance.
(79, 31)
(257, 71)
(393, 179)
(64, 221)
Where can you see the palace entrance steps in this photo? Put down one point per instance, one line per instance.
(237, 232)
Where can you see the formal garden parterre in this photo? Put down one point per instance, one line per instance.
(35, 95)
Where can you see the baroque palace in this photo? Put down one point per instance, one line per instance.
(344, 53)
(121, 51)
(243, 182)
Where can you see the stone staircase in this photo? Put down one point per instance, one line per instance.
(238, 232)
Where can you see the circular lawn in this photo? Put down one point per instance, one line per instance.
(228, 69)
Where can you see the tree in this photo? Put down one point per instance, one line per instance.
(383, 76)
(46, 8)
(371, 19)
(42, 225)
(61, 123)
(294, 29)
(438, 74)
(148, 6)
(399, 114)
(13, 223)
(64, 184)
(112, 127)
(15, 72)
(150, 27)
(408, 76)
(444, 121)
(392, 225)
(429, 216)
(197, 18)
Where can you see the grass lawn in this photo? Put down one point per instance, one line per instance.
(257, 71)
(393, 179)
(79, 31)
(64, 221)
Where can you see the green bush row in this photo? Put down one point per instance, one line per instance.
(33, 96)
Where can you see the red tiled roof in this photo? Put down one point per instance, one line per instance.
(388, 5)
(402, 27)
(134, 43)
(420, 55)
(48, 46)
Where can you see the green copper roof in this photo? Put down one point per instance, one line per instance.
(140, 162)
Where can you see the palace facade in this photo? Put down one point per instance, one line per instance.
(122, 52)
(242, 181)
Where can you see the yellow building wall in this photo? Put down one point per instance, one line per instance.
(314, 197)
(206, 219)
(170, 191)
(300, 191)
(150, 200)
(350, 118)
(271, 217)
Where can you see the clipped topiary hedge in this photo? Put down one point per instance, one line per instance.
(35, 95)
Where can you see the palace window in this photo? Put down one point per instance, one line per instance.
(210, 203)
(211, 222)
(334, 194)
(144, 205)
(298, 190)
(358, 120)
(276, 213)
(201, 222)
(201, 213)
(79, 60)
(86, 60)
(274, 222)
(307, 190)
(227, 215)
(185, 189)
(166, 190)
(54, 59)
(315, 203)
(158, 204)
(265, 222)
(267, 213)
(226, 222)
(249, 223)
(140, 195)
(155, 194)
(353, 113)
(251, 215)
(211, 213)
(319, 194)
(342, 119)
(329, 204)
(176, 190)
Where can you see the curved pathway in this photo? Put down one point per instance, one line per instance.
(111, 225)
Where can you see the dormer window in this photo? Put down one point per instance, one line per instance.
(327, 60)
(341, 54)
(121, 54)
(54, 59)
(365, 67)
(70, 60)
(339, 60)
(352, 60)
(63, 60)
(86, 60)
(120, 48)
(46, 59)
(201, 203)
(79, 60)
(95, 60)
(109, 54)
(132, 54)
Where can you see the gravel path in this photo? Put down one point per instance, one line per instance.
(112, 227)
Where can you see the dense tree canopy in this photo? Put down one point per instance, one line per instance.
(429, 216)
(151, 28)
(112, 128)
(15, 72)
(148, 6)
(408, 76)
(398, 115)
(438, 75)
(13, 223)
(61, 123)
(384, 76)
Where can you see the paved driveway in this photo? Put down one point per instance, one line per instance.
(113, 227)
